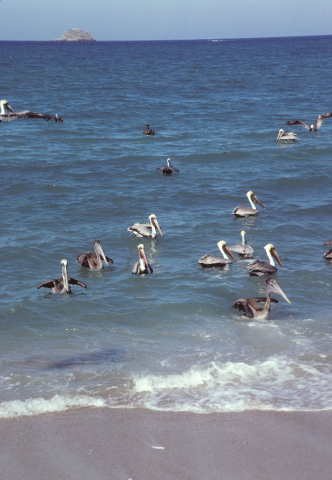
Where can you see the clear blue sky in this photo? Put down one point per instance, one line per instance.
(164, 19)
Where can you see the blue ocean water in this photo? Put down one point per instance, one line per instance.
(170, 340)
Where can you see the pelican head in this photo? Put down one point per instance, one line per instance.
(168, 162)
(253, 199)
(272, 286)
(64, 264)
(142, 253)
(154, 222)
(243, 235)
(5, 106)
(99, 250)
(271, 252)
(280, 134)
(223, 247)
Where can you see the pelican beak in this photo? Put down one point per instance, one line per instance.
(8, 107)
(274, 287)
(65, 274)
(255, 199)
(156, 224)
(227, 250)
(275, 255)
(142, 254)
(99, 251)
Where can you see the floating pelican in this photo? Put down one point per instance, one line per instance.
(328, 254)
(288, 137)
(61, 285)
(23, 114)
(251, 307)
(168, 170)
(243, 250)
(94, 260)
(312, 128)
(141, 267)
(143, 229)
(259, 268)
(209, 260)
(242, 211)
(148, 131)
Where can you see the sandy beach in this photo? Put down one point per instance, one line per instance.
(138, 444)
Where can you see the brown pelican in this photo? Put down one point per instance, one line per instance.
(251, 307)
(148, 131)
(243, 250)
(94, 260)
(328, 254)
(260, 268)
(141, 267)
(209, 260)
(23, 114)
(168, 170)
(242, 211)
(288, 137)
(61, 285)
(312, 128)
(143, 229)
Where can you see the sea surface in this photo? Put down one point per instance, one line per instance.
(170, 340)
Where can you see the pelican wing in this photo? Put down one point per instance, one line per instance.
(83, 260)
(298, 122)
(242, 305)
(209, 260)
(244, 250)
(73, 281)
(328, 243)
(161, 168)
(48, 284)
(26, 114)
(150, 268)
(260, 268)
(174, 169)
(135, 270)
(328, 254)
(320, 119)
(242, 211)
(109, 259)
(140, 229)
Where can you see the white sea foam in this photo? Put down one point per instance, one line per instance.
(276, 384)
(36, 406)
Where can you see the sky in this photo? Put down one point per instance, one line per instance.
(164, 19)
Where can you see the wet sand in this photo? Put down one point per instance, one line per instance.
(138, 444)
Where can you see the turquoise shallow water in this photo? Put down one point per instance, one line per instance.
(170, 340)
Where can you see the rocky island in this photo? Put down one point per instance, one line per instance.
(75, 35)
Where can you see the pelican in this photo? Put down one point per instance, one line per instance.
(148, 131)
(61, 285)
(288, 137)
(168, 170)
(23, 114)
(94, 260)
(259, 268)
(141, 267)
(251, 307)
(328, 254)
(143, 229)
(209, 260)
(242, 211)
(243, 250)
(312, 128)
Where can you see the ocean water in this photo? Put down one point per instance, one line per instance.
(170, 340)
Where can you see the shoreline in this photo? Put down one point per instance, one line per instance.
(119, 443)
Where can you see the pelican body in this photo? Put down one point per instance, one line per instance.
(312, 127)
(148, 131)
(62, 285)
(209, 260)
(243, 211)
(147, 230)
(168, 170)
(252, 309)
(288, 137)
(23, 114)
(243, 250)
(328, 254)
(94, 260)
(141, 267)
(259, 268)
